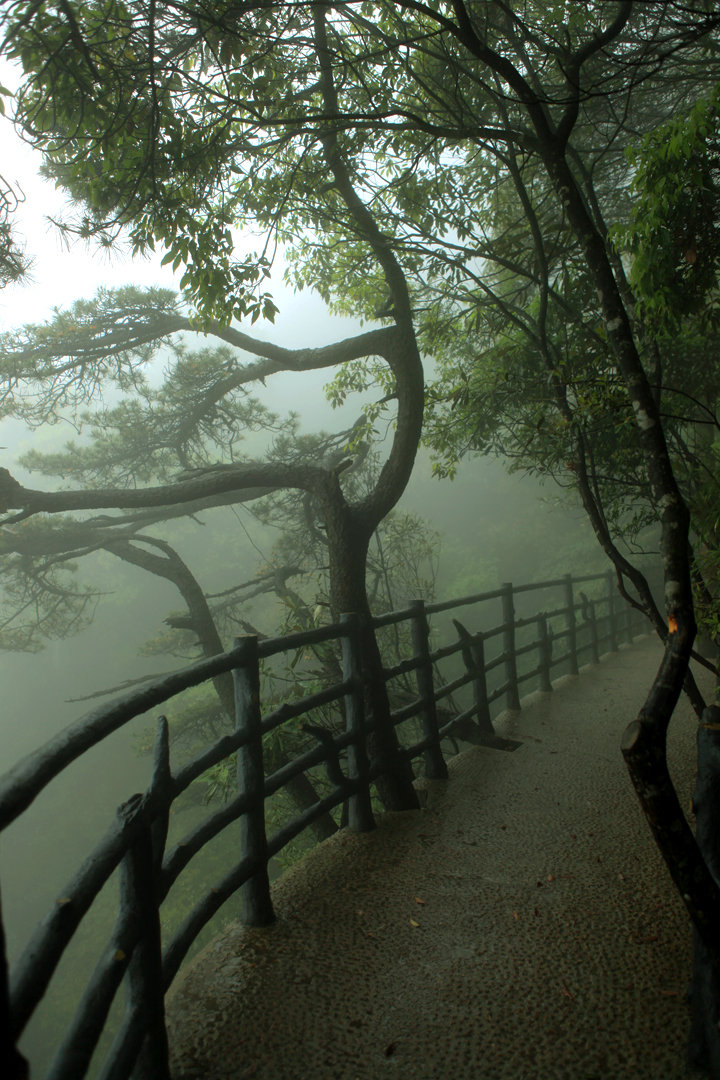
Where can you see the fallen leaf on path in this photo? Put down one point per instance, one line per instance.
(419, 901)
(566, 993)
(413, 923)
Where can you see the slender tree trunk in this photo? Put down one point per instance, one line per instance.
(644, 741)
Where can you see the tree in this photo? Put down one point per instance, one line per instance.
(315, 122)
(197, 416)
(13, 261)
(538, 93)
(200, 413)
(533, 380)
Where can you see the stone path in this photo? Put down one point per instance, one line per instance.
(521, 926)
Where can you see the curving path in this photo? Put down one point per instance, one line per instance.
(519, 927)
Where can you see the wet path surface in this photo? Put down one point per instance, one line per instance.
(521, 926)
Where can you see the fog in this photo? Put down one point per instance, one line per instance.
(493, 527)
(481, 545)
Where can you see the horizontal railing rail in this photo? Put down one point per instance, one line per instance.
(490, 665)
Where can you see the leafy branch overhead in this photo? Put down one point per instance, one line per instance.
(673, 232)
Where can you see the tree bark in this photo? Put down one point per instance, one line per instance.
(348, 533)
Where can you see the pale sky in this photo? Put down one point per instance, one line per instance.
(59, 275)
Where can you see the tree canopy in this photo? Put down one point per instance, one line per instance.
(454, 170)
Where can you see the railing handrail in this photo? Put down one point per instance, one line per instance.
(27, 778)
(140, 819)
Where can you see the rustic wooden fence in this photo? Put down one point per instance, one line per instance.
(523, 650)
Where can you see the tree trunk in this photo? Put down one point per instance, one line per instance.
(348, 537)
(704, 1042)
(644, 741)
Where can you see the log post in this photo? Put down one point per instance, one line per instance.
(612, 625)
(256, 905)
(144, 977)
(161, 792)
(473, 654)
(571, 623)
(594, 641)
(508, 616)
(435, 767)
(360, 815)
(145, 969)
(545, 651)
(12, 1064)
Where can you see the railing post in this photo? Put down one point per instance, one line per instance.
(256, 905)
(144, 978)
(12, 1064)
(572, 623)
(612, 626)
(360, 815)
(435, 767)
(140, 1048)
(545, 650)
(594, 643)
(473, 654)
(508, 617)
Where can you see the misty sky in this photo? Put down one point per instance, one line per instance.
(60, 275)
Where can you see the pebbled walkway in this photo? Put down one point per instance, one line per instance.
(521, 926)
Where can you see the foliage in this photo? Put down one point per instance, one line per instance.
(401, 147)
(190, 423)
(14, 264)
(41, 596)
(673, 232)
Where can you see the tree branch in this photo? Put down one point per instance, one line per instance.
(212, 482)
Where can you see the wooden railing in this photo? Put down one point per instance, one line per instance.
(491, 664)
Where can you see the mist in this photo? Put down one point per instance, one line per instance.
(486, 527)
(481, 544)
